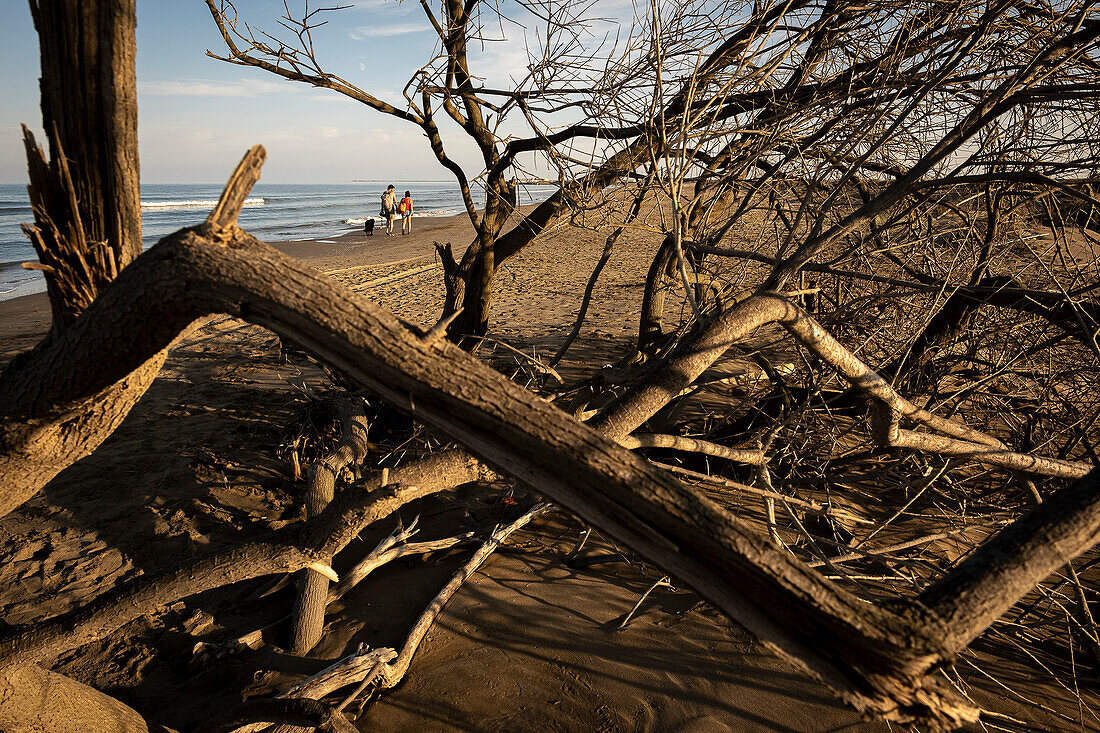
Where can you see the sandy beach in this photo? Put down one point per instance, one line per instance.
(528, 644)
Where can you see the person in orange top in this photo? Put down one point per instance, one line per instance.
(406, 209)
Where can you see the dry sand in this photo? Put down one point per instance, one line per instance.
(529, 643)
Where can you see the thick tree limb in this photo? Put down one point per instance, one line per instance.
(312, 598)
(286, 550)
(877, 660)
(255, 714)
(1004, 568)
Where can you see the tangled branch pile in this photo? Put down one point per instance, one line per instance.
(862, 389)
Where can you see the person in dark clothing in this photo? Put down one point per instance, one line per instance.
(389, 209)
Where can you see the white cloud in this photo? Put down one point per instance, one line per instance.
(380, 31)
(500, 63)
(198, 88)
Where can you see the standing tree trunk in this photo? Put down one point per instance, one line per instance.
(87, 205)
(470, 283)
(87, 228)
(87, 218)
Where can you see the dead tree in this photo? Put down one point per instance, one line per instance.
(842, 100)
(825, 631)
(570, 77)
(883, 659)
(88, 216)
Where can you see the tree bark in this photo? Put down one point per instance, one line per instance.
(87, 200)
(874, 658)
(470, 284)
(312, 598)
(288, 549)
(653, 297)
(87, 218)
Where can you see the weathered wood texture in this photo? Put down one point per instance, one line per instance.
(874, 658)
(289, 549)
(879, 660)
(87, 221)
(312, 596)
(87, 202)
(37, 445)
(990, 581)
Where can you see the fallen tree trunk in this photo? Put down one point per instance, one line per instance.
(878, 660)
(875, 659)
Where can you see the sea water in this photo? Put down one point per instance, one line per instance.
(274, 212)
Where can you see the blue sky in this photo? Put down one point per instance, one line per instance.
(197, 115)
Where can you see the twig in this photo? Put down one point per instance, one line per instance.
(665, 581)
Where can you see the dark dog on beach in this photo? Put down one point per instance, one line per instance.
(369, 226)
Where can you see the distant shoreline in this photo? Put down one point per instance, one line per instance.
(29, 314)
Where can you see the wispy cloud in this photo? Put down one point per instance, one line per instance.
(198, 88)
(377, 31)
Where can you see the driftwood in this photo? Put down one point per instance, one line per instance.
(112, 328)
(393, 672)
(387, 551)
(391, 548)
(386, 666)
(363, 663)
(876, 659)
(288, 549)
(789, 606)
(309, 607)
(302, 713)
(695, 356)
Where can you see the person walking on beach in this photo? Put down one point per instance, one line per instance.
(389, 209)
(406, 209)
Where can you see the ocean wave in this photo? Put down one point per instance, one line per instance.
(442, 212)
(193, 204)
(15, 281)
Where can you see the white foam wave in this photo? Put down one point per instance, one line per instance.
(444, 212)
(193, 204)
